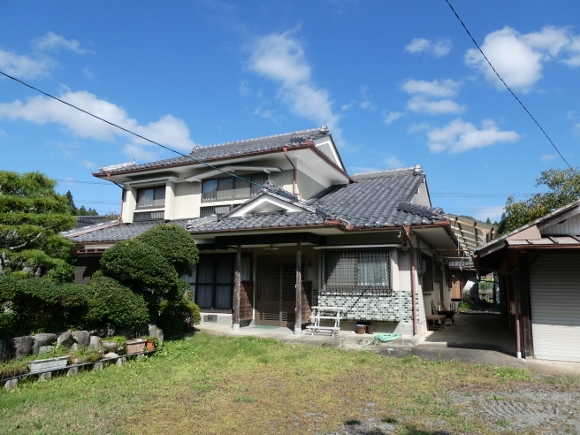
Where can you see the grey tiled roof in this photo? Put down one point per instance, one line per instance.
(113, 231)
(381, 199)
(377, 200)
(226, 150)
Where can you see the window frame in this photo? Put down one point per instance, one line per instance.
(156, 190)
(232, 188)
(352, 272)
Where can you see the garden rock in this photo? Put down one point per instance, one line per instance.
(44, 349)
(111, 355)
(65, 339)
(95, 342)
(42, 340)
(156, 332)
(6, 350)
(82, 337)
(23, 346)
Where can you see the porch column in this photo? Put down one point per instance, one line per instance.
(298, 309)
(237, 283)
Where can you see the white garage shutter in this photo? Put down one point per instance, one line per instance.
(555, 301)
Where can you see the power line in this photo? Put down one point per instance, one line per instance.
(86, 112)
(187, 156)
(322, 208)
(506, 86)
(102, 183)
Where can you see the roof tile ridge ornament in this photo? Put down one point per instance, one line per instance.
(271, 187)
(416, 170)
(237, 142)
(433, 213)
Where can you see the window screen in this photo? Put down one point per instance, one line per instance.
(357, 272)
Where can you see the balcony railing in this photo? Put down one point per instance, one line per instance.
(144, 216)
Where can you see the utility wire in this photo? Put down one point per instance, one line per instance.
(128, 131)
(506, 86)
(324, 209)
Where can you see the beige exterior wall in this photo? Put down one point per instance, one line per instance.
(187, 200)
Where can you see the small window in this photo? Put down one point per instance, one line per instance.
(151, 197)
(357, 272)
(227, 188)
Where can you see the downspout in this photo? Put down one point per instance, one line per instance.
(285, 149)
(517, 313)
(413, 285)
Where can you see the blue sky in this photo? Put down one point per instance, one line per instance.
(399, 83)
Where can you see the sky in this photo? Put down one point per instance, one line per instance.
(398, 82)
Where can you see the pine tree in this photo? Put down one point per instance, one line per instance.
(32, 215)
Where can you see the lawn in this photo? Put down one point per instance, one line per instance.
(210, 384)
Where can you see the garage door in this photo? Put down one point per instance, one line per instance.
(555, 300)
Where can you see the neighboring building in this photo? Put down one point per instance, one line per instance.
(538, 267)
(281, 227)
(470, 234)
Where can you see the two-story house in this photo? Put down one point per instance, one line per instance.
(281, 226)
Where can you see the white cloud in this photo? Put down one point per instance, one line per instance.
(440, 48)
(24, 67)
(365, 103)
(519, 58)
(168, 130)
(392, 162)
(52, 42)
(413, 128)
(435, 88)
(548, 157)
(281, 58)
(460, 136)
(573, 61)
(422, 91)
(392, 117)
(419, 104)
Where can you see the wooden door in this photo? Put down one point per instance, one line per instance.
(276, 291)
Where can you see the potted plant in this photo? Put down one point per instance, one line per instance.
(135, 346)
(114, 344)
(151, 343)
(84, 354)
(13, 368)
(54, 359)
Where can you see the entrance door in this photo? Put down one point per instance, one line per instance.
(276, 291)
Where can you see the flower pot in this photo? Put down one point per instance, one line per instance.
(79, 359)
(135, 346)
(42, 365)
(150, 345)
(110, 346)
(361, 329)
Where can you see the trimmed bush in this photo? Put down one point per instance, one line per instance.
(113, 304)
(175, 244)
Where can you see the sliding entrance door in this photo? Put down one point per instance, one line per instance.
(276, 291)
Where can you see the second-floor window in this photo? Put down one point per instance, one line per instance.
(227, 188)
(151, 197)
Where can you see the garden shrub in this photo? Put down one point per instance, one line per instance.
(140, 267)
(179, 316)
(175, 244)
(115, 305)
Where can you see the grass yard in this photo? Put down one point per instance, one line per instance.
(210, 384)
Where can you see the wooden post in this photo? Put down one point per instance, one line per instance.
(237, 283)
(298, 308)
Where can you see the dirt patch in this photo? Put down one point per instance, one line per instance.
(531, 409)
